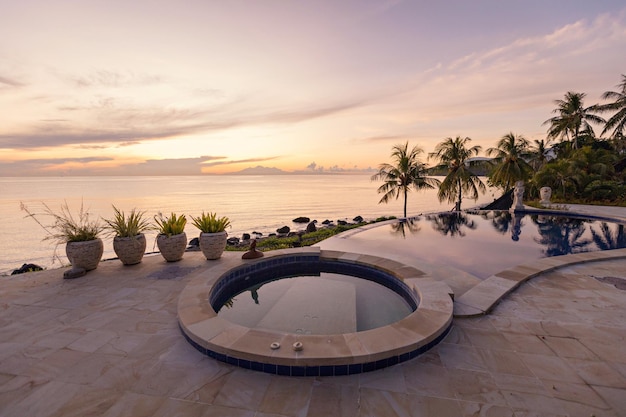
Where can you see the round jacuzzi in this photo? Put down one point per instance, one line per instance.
(306, 312)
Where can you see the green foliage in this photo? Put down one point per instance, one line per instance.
(210, 223)
(128, 226)
(407, 172)
(172, 225)
(453, 155)
(66, 227)
(509, 162)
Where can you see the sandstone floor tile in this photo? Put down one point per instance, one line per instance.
(333, 400)
(504, 362)
(383, 403)
(131, 404)
(60, 339)
(472, 409)
(550, 367)
(174, 380)
(476, 386)
(43, 401)
(568, 347)
(598, 373)
(488, 339)
(88, 369)
(243, 389)
(287, 396)
(541, 404)
(171, 407)
(616, 397)
(92, 341)
(460, 357)
(55, 364)
(430, 380)
(215, 375)
(388, 379)
(580, 394)
(515, 383)
(88, 402)
(458, 336)
(527, 343)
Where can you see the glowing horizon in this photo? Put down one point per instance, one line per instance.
(112, 88)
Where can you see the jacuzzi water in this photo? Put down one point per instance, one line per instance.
(329, 303)
(485, 243)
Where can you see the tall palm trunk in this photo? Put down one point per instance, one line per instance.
(405, 200)
(457, 207)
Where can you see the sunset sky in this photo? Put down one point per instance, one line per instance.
(113, 87)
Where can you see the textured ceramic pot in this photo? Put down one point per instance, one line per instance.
(85, 255)
(130, 250)
(213, 244)
(172, 247)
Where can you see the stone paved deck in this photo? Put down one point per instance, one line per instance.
(108, 344)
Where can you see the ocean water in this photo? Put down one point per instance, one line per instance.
(253, 203)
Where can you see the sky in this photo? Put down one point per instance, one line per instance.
(118, 87)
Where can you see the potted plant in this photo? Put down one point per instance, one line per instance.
(80, 235)
(171, 240)
(129, 242)
(212, 234)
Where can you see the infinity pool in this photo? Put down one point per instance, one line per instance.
(484, 243)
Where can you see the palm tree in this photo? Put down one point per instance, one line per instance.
(572, 118)
(453, 155)
(539, 154)
(407, 172)
(617, 122)
(510, 158)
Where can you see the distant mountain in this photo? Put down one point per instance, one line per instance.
(259, 170)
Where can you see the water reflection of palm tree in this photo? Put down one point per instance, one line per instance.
(562, 236)
(403, 226)
(500, 220)
(608, 239)
(452, 223)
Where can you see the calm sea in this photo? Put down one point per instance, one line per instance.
(253, 203)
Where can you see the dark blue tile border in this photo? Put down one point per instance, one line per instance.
(324, 370)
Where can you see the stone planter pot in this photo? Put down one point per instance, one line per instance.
(172, 247)
(213, 244)
(130, 250)
(85, 255)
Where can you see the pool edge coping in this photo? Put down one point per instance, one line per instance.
(349, 352)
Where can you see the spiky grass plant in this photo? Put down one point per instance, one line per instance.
(66, 227)
(172, 225)
(128, 226)
(210, 223)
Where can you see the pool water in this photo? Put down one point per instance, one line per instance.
(330, 303)
(485, 243)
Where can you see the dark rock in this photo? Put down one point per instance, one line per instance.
(311, 227)
(245, 236)
(301, 220)
(74, 273)
(358, 219)
(257, 233)
(26, 268)
(283, 230)
(327, 221)
(194, 242)
(342, 222)
(232, 241)
(272, 234)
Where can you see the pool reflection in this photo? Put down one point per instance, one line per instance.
(484, 243)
